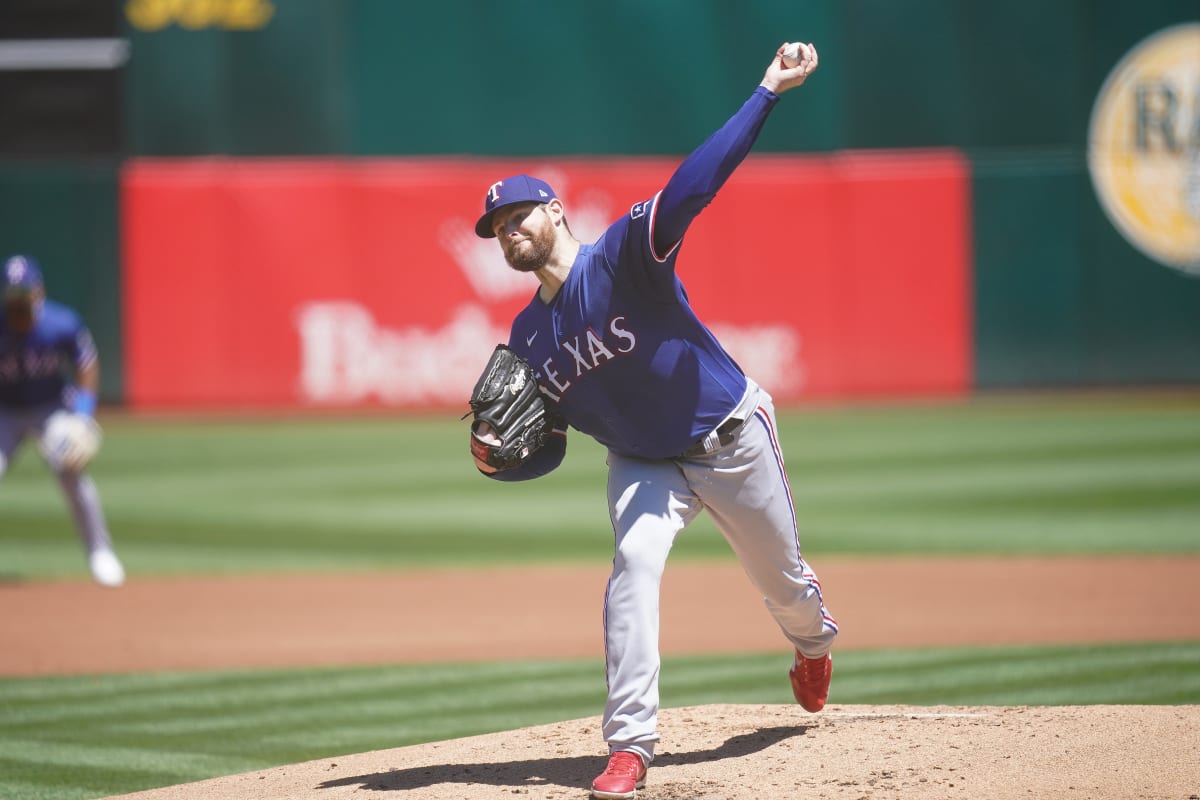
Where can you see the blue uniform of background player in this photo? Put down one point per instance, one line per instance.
(623, 357)
(48, 364)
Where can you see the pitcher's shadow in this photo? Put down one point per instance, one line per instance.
(569, 772)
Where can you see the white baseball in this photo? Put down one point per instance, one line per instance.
(791, 55)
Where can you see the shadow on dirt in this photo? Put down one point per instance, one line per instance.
(570, 772)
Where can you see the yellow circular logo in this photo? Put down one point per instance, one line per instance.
(1144, 147)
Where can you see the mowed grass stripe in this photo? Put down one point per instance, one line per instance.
(66, 754)
(1016, 531)
(916, 481)
(1063, 676)
(1049, 424)
(25, 780)
(85, 783)
(366, 737)
(218, 712)
(36, 702)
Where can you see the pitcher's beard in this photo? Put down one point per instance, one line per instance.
(534, 257)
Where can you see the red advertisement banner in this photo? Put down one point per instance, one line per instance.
(341, 283)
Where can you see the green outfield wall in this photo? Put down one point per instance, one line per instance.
(1061, 295)
(388, 77)
(66, 214)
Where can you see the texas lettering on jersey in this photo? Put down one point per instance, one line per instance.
(36, 368)
(583, 354)
(30, 365)
(620, 333)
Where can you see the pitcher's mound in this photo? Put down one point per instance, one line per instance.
(763, 752)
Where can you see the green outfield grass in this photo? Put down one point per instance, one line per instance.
(77, 738)
(1081, 473)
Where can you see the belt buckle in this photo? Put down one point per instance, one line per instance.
(715, 439)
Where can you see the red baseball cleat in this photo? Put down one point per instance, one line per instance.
(624, 775)
(810, 681)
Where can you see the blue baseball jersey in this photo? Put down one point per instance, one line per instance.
(620, 351)
(37, 367)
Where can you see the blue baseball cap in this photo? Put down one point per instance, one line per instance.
(517, 189)
(21, 272)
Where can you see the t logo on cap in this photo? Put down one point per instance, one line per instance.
(517, 189)
(21, 272)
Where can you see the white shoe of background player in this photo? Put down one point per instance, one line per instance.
(106, 568)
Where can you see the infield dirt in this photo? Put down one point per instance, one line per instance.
(745, 752)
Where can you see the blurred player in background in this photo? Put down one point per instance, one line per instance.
(49, 380)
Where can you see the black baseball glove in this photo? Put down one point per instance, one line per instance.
(510, 422)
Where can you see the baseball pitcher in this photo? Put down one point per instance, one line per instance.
(618, 354)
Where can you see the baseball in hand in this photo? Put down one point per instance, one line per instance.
(792, 55)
